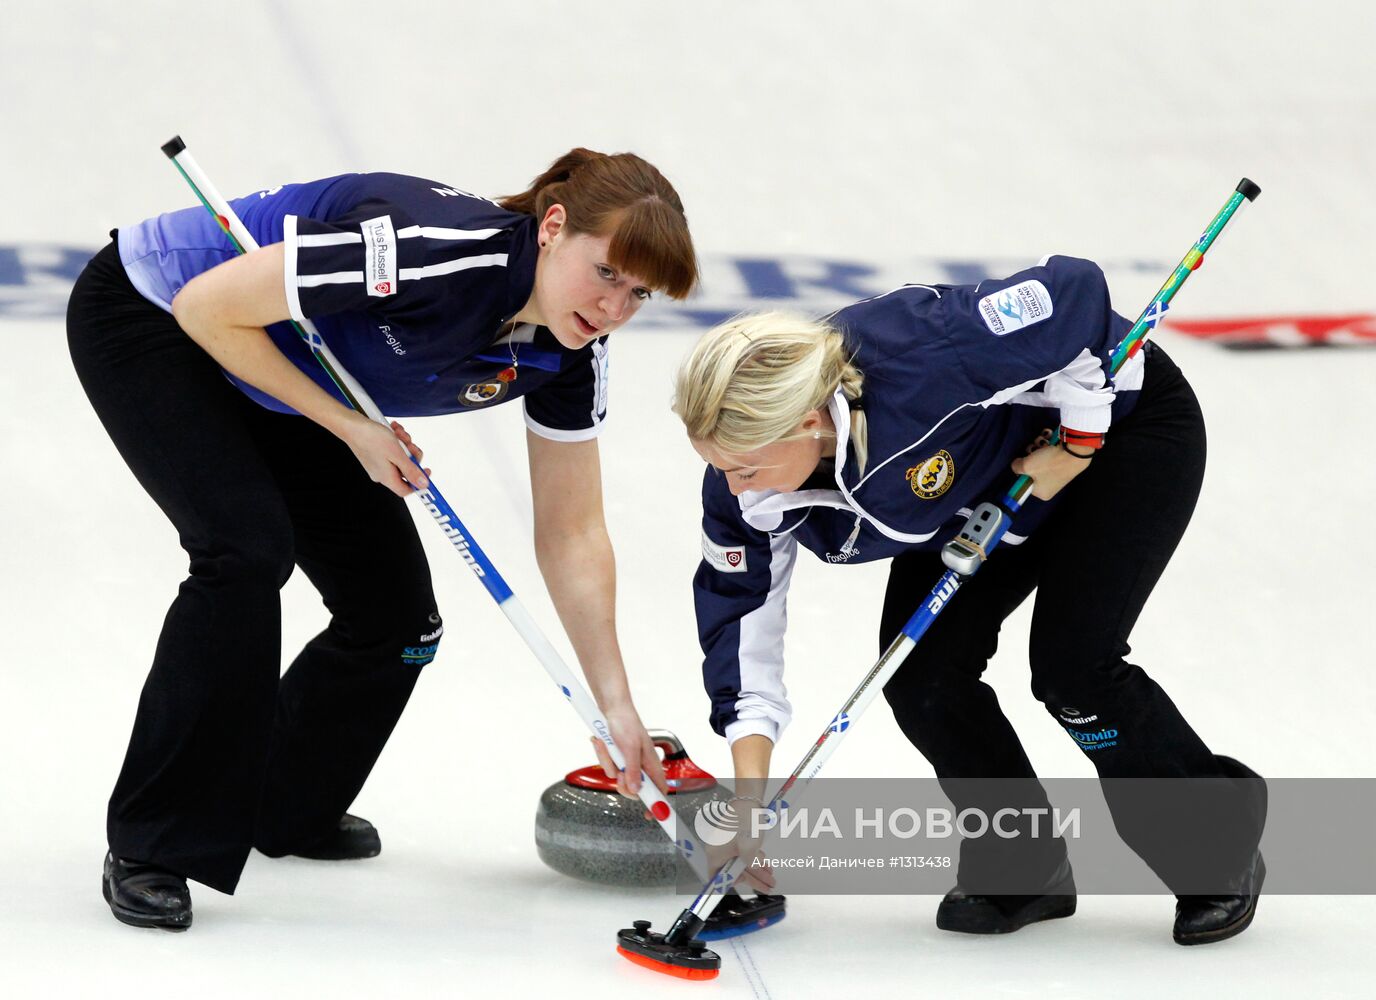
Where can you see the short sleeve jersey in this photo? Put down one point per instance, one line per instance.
(410, 282)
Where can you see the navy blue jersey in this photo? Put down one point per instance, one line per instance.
(958, 381)
(411, 284)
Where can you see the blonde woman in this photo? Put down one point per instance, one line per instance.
(870, 436)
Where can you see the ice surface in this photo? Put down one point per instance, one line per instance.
(889, 134)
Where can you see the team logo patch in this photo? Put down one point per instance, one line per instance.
(380, 256)
(933, 477)
(723, 558)
(1015, 308)
(482, 393)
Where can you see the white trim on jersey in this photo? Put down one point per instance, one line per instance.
(764, 510)
(600, 376)
(289, 276)
(842, 441)
(406, 273)
(440, 233)
(1081, 391)
(293, 240)
(450, 266)
(762, 705)
(333, 278)
(326, 239)
(554, 434)
(840, 413)
(911, 284)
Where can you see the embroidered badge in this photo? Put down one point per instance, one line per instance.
(380, 256)
(933, 477)
(482, 393)
(1015, 308)
(723, 558)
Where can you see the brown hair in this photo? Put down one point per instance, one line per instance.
(626, 198)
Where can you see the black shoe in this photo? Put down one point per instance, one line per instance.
(145, 895)
(353, 838)
(971, 913)
(1204, 919)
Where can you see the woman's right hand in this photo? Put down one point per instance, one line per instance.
(750, 755)
(385, 454)
(755, 874)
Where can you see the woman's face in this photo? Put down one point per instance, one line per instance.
(783, 466)
(578, 294)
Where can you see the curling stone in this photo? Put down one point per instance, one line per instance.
(584, 828)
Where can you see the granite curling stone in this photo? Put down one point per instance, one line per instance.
(585, 829)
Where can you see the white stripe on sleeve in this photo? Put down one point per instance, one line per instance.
(328, 239)
(289, 268)
(763, 703)
(440, 233)
(450, 266)
(333, 278)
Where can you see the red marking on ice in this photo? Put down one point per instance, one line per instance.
(1281, 331)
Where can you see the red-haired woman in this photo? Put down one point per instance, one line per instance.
(436, 301)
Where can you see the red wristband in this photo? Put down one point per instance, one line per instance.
(1082, 439)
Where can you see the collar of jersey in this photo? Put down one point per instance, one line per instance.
(518, 348)
(520, 267)
(764, 509)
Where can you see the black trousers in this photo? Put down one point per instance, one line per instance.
(225, 754)
(1093, 565)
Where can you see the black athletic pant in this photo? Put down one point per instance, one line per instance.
(1093, 565)
(225, 755)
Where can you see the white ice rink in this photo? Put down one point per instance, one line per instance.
(897, 136)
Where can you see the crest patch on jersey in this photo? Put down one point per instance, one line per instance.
(482, 393)
(380, 257)
(1014, 308)
(723, 558)
(933, 477)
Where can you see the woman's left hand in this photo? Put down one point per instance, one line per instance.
(1048, 466)
(404, 436)
(635, 745)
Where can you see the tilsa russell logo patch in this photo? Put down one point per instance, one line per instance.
(723, 558)
(933, 477)
(380, 256)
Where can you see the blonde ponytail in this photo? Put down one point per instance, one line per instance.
(750, 381)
